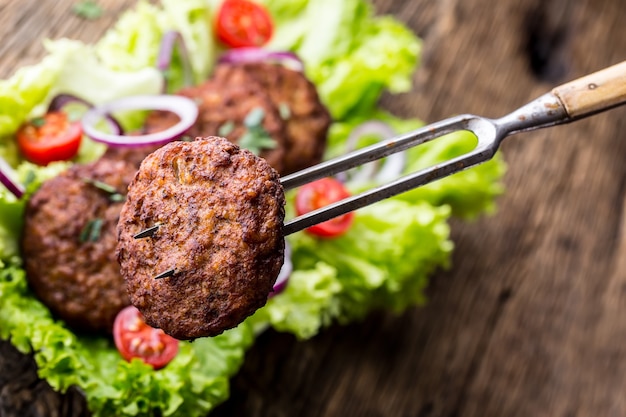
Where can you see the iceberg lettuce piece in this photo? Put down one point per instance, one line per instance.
(27, 88)
(70, 67)
(85, 76)
(134, 42)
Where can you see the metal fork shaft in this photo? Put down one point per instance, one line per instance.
(372, 153)
(541, 112)
(391, 189)
(580, 98)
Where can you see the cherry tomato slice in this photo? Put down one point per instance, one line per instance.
(243, 23)
(52, 137)
(321, 193)
(136, 339)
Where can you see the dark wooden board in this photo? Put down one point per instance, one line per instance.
(531, 318)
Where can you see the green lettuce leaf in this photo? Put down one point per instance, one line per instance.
(306, 305)
(350, 54)
(384, 259)
(12, 209)
(86, 76)
(27, 88)
(191, 385)
(133, 43)
(70, 67)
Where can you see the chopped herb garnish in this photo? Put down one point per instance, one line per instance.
(116, 198)
(254, 118)
(30, 177)
(255, 141)
(91, 231)
(87, 9)
(256, 137)
(226, 129)
(284, 111)
(114, 195)
(38, 121)
(101, 185)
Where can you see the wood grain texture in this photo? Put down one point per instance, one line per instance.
(531, 318)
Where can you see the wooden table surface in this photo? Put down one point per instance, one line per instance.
(531, 319)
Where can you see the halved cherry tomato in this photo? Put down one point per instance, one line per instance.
(136, 339)
(321, 193)
(52, 137)
(243, 23)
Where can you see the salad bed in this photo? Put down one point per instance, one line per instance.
(382, 262)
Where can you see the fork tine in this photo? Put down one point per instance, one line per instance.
(375, 152)
(542, 112)
(408, 182)
(486, 147)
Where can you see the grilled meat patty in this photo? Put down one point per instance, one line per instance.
(132, 154)
(226, 108)
(69, 240)
(220, 210)
(292, 116)
(306, 119)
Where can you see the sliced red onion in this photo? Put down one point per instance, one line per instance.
(185, 108)
(250, 55)
(285, 272)
(377, 171)
(169, 41)
(62, 100)
(8, 178)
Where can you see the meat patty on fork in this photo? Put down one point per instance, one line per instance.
(216, 213)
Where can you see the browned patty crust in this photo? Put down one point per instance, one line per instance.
(307, 119)
(133, 154)
(69, 242)
(293, 114)
(220, 210)
(223, 106)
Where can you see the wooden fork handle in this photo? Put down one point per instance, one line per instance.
(594, 92)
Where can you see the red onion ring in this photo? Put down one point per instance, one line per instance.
(284, 274)
(62, 100)
(8, 179)
(251, 55)
(376, 171)
(185, 108)
(169, 41)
